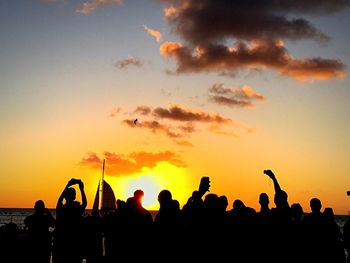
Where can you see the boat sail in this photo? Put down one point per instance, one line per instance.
(104, 198)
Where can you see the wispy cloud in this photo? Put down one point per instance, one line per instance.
(183, 143)
(241, 97)
(259, 42)
(130, 61)
(115, 111)
(90, 6)
(135, 162)
(143, 110)
(154, 33)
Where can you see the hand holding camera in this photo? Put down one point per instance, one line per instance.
(74, 181)
(204, 185)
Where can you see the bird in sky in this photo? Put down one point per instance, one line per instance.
(135, 121)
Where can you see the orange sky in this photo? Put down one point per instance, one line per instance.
(211, 100)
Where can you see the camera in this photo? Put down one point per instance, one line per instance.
(204, 184)
(74, 181)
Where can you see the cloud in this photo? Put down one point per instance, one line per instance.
(135, 162)
(234, 97)
(211, 20)
(143, 110)
(155, 127)
(130, 61)
(257, 28)
(179, 113)
(88, 7)
(91, 160)
(183, 143)
(114, 112)
(152, 32)
(178, 122)
(259, 54)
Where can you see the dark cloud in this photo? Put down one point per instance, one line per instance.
(118, 164)
(201, 21)
(179, 113)
(257, 27)
(258, 54)
(130, 61)
(234, 97)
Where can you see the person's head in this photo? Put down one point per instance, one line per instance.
(315, 205)
(328, 212)
(296, 211)
(39, 207)
(281, 199)
(70, 194)
(264, 199)
(211, 201)
(164, 197)
(138, 195)
(238, 205)
(223, 202)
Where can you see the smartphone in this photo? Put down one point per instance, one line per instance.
(204, 184)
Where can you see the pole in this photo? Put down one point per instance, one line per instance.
(101, 184)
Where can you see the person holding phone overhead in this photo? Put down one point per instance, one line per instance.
(67, 237)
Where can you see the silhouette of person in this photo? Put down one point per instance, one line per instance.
(167, 225)
(92, 237)
(297, 233)
(281, 213)
(67, 238)
(13, 245)
(346, 238)
(281, 220)
(140, 227)
(322, 235)
(168, 215)
(143, 216)
(38, 226)
(264, 214)
(264, 228)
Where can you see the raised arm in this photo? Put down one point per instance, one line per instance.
(83, 196)
(276, 185)
(60, 199)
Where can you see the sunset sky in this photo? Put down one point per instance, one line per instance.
(223, 89)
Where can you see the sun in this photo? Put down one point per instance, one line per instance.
(149, 184)
(163, 176)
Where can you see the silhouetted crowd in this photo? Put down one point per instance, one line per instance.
(203, 230)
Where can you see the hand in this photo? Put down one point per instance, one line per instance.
(269, 173)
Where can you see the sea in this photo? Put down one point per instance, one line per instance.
(17, 216)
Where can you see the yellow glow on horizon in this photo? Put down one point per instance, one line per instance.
(163, 176)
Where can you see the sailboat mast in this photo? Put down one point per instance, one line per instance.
(101, 184)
